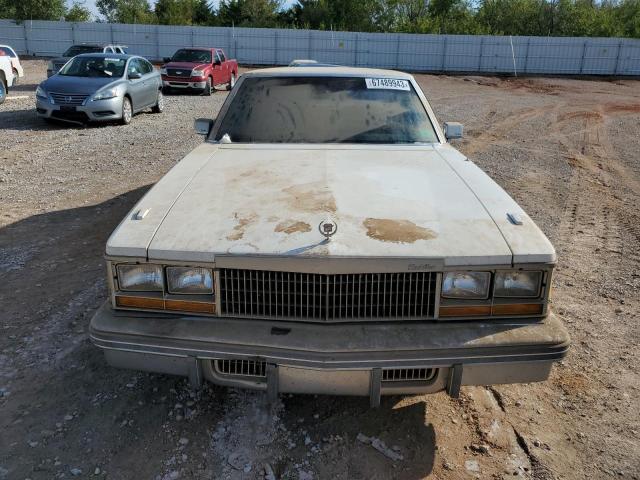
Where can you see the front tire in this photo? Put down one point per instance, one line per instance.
(208, 87)
(127, 111)
(232, 81)
(3, 91)
(159, 106)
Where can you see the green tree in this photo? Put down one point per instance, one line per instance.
(78, 13)
(183, 12)
(202, 13)
(7, 9)
(627, 15)
(513, 17)
(126, 11)
(249, 13)
(35, 9)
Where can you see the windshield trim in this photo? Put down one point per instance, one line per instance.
(192, 50)
(113, 78)
(225, 107)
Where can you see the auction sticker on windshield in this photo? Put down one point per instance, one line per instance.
(387, 83)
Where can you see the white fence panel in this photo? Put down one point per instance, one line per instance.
(413, 52)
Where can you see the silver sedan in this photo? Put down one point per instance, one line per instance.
(100, 87)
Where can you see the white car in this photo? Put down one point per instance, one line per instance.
(6, 77)
(18, 71)
(327, 239)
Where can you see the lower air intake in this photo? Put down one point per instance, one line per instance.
(241, 368)
(408, 374)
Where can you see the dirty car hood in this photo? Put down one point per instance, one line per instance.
(386, 201)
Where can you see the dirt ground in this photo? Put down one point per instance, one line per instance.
(565, 149)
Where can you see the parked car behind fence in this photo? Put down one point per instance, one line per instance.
(18, 71)
(57, 63)
(199, 69)
(100, 87)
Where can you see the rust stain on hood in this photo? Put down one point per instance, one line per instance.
(396, 231)
(238, 230)
(311, 197)
(290, 227)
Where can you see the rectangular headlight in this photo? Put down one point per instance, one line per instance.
(140, 278)
(517, 284)
(189, 280)
(466, 285)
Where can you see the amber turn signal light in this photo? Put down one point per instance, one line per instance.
(188, 306)
(161, 304)
(517, 309)
(487, 310)
(465, 311)
(140, 302)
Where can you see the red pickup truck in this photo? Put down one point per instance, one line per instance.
(199, 69)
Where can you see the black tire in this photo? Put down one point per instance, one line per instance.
(3, 91)
(208, 87)
(159, 106)
(127, 111)
(232, 81)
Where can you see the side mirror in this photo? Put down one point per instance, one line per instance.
(203, 125)
(135, 76)
(166, 59)
(453, 130)
(217, 62)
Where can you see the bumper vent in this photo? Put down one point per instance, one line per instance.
(80, 117)
(327, 298)
(408, 375)
(241, 368)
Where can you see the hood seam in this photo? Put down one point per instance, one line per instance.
(479, 200)
(187, 183)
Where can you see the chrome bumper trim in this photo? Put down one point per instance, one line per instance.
(343, 346)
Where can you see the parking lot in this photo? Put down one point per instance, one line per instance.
(565, 149)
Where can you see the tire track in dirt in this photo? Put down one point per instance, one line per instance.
(498, 131)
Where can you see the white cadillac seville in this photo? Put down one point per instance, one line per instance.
(326, 238)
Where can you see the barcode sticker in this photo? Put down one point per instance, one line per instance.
(387, 83)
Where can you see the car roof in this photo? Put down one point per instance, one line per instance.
(207, 49)
(327, 71)
(108, 55)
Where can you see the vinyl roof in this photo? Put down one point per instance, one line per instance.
(325, 71)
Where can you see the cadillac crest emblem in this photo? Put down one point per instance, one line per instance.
(328, 228)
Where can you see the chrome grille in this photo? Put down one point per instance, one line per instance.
(68, 98)
(241, 368)
(408, 374)
(327, 298)
(179, 72)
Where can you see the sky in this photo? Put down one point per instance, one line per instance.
(91, 4)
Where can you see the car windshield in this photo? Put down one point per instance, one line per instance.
(193, 56)
(7, 51)
(79, 49)
(94, 67)
(326, 110)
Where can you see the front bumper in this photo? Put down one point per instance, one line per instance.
(185, 83)
(91, 111)
(341, 359)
